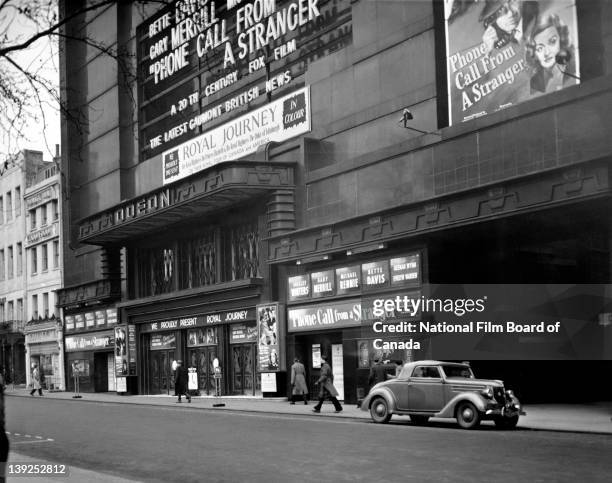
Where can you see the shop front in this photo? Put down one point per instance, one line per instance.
(89, 344)
(228, 337)
(44, 347)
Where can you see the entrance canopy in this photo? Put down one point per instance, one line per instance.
(211, 191)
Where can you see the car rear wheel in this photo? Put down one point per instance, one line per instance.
(507, 423)
(468, 416)
(379, 410)
(418, 419)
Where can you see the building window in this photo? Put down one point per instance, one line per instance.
(17, 201)
(10, 314)
(19, 259)
(46, 304)
(19, 309)
(1, 311)
(9, 206)
(34, 306)
(54, 210)
(2, 270)
(34, 261)
(1, 210)
(43, 215)
(10, 262)
(55, 254)
(32, 214)
(44, 257)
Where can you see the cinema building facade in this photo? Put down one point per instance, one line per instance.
(298, 163)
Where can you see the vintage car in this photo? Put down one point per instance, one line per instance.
(434, 389)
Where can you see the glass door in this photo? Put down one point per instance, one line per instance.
(160, 370)
(202, 359)
(243, 373)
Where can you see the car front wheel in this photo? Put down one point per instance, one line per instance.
(507, 423)
(468, 416)
(379, 410)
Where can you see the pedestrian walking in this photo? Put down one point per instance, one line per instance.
(180, 382)
(298, 381)
(36, 381)
(326, 387)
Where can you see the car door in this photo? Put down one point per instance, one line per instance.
(425, 389)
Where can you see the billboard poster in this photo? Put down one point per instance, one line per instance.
(131, 330)
(268, 338)
(503, 52)
(121, 358)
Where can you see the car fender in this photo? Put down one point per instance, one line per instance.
(379, 392)
(477, 400)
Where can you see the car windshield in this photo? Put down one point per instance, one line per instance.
(458, 371)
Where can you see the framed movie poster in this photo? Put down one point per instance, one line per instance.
(270, 349)
(505, 52)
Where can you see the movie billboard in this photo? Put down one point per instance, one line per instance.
(503, 52)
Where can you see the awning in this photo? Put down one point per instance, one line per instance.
(211, 191)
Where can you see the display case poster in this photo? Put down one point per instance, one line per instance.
(69, 320)
(503, 52)
(299, 287)
(121, 384)
(111, 316)
(100, 317)
(90, 320)
(323, 283)
(338, 369)
(79, 321)
(121, 359)
(405, 270)
(268, 338)
(316, 356)
(375, 274)
(163, 341)
(348, 279)
(131, 330)
(268, 382)
(242, 333)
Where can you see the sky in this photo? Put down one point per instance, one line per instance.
(40, 57)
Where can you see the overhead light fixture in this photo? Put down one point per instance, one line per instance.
(366, 248)
(407, 116)
(313, 259)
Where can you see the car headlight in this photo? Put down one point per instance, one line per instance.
(487, 392)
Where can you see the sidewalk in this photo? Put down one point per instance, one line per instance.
(589, 418)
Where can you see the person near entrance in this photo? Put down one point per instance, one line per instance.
(326, 387)
(180, 381)
(377, 373)
(298, 381)
(36, 381)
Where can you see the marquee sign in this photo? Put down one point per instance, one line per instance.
(202, 61)
(277, 121)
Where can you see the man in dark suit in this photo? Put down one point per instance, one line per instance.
(377, 373)
(180, 381)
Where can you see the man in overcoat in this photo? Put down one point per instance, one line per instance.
(377, 373)
(180, 381)
(298, 381)
(326, 387)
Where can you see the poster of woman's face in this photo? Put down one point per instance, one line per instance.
(268, 338)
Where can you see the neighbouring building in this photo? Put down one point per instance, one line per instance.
(276, 179)
(42, 265)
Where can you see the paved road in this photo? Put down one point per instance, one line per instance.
(183, 444)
